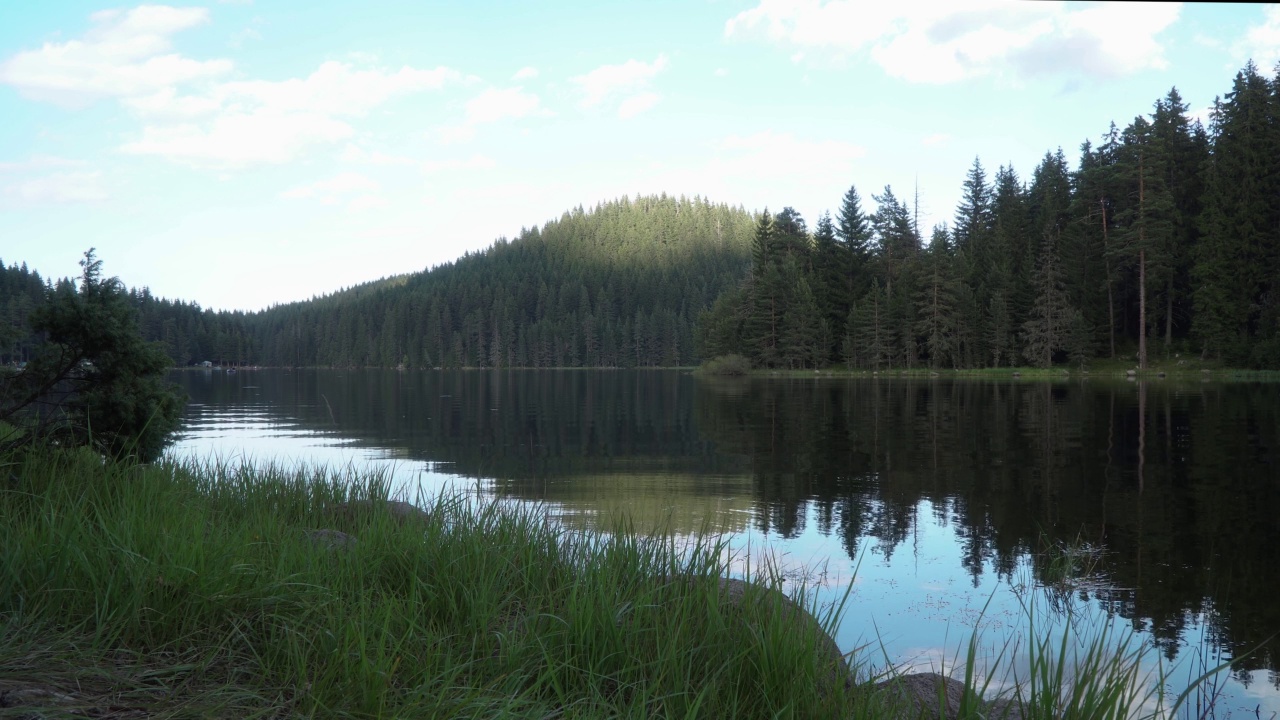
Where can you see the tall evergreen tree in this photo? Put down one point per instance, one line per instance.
(1145, 219)
(1235, 263)
(853, 229)
(1184, 146)
(831, 261)
(937, 302)
(1050, 325)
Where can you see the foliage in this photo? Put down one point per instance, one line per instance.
(728, 365)
(1164, 231)
(94, 380)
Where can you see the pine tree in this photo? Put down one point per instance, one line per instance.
(1185, 149)
(1051, 320)
(830, 273)
(937, 302)
(1236, 260)
(853, 229)
(868, 341)
(1145, 220)
(1000, 335)
(800, 338)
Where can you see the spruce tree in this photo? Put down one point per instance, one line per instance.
(1235, 261)
(1145, 219)
(1050, 324)
(853, 229)
(937, 302)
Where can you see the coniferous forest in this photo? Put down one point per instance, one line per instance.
(1164, 240)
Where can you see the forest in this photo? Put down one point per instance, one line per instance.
(619, 286)
(1162, 242)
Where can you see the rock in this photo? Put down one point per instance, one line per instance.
(739, 593)
(331, 539)
(930, 695)
(35, 698)
(398, 509)
(920, 695)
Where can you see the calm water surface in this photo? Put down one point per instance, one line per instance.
(942, 495)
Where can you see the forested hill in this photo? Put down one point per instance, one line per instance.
(619, 285)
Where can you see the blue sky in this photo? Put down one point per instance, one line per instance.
(242, 154)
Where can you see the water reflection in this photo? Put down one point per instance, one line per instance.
(946, 492)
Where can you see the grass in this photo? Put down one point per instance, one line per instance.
(726, 365)
(196, 591)
(1097, 369)
(183, 590)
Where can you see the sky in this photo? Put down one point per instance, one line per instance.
(242, 154)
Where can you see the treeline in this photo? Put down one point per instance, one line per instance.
(1165, 240)
(620, 285)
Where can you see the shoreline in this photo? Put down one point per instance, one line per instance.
(250, 592)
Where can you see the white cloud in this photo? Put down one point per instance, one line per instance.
(609, 81)
(167, 104)
(453, 134)
(936, 139)
(353, 153)
(1204, 115)
(922, 42)
(1261, 43)
(40, 162)
(335, 88)
(188, 115)
(722, 72)
(59, 188)
(525, 73)
(475, 162)
(493, 105)
(337, 189)
(237, 124)
(238, 139)
(637, 104)
(490, 106)
(367, 202)
(124, 54)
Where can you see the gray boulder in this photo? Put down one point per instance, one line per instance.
(749, 597)
(930, 696)
(331, 539)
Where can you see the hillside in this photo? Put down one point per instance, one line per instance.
(620, 285)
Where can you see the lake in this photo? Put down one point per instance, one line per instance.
(950, 504)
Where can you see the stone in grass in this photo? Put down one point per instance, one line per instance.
(739, 593)
(35, 698)
(331, 539)
(930, 695)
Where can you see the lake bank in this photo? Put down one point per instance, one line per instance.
(209, 590)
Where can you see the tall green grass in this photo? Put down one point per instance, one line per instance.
(196, 590)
